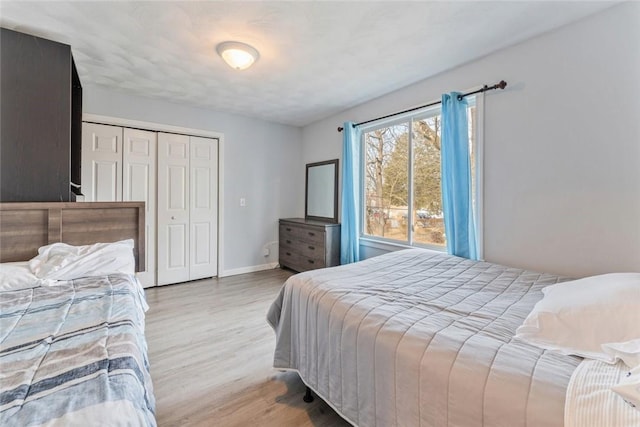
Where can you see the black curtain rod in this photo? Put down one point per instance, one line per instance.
(485, 88)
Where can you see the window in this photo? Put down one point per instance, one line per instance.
(402, 195)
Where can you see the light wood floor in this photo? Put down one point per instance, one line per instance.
(211, 354)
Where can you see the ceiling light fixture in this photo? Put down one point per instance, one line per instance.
(239, 56)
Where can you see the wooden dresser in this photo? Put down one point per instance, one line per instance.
(307, 245)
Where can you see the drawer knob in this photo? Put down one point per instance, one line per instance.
(288, 241)
(289, 253)
(312, 234)
(288, 229)
(313, 248)
(311, 261)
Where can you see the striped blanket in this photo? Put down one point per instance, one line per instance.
(75, 354)
(591, 401)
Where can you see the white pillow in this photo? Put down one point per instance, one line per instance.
(628, 352)
(60, 261)
(15, 276)
(629, 388)
(578, 317)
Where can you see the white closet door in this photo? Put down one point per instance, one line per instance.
(203, 212)
(173, 208)
(139, 185)
(101, 163)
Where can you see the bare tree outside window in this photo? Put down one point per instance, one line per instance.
(385, 180)
(394, 207)
(428, 222)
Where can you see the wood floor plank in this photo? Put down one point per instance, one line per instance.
(211, 354)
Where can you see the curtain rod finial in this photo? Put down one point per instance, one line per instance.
(502, 84)
(340, 128)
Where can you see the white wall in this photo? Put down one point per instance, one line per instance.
(562, 144)
(262, 163)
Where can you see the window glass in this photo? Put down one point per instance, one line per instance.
(402, 186)
(427, 218)
(386, 189)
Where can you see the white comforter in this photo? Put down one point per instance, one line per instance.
(420, 338)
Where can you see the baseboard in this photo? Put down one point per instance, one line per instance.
(250, 269)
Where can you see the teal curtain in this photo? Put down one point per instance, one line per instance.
(350, 213)
(457, 205)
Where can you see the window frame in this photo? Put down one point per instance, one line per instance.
(388, 244)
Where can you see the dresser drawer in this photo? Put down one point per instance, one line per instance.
(296, 261)
(299, 232)
(311, 250)
(289, 258)
(306, 249)
(288, 239)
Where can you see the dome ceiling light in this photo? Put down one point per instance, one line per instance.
(237, 55)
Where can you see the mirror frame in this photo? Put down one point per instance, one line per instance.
(333, 219)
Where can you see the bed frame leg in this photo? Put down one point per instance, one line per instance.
(307, 396)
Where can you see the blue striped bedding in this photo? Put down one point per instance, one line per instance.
(75, 354)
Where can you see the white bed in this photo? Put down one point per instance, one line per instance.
(420, 338)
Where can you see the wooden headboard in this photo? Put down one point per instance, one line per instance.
(24, 227)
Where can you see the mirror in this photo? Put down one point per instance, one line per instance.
(321, 191)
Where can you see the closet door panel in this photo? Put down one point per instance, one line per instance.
(177, 189)
(139, 184)
(203, 207)
(177, 242)
(105, 181)
(173, 208)
(101, 163)
(202, 244)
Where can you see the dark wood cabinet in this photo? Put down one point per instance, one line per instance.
(308, 245)
(36, 118)
(76, 130)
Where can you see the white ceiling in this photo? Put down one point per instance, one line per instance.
(316, 58)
